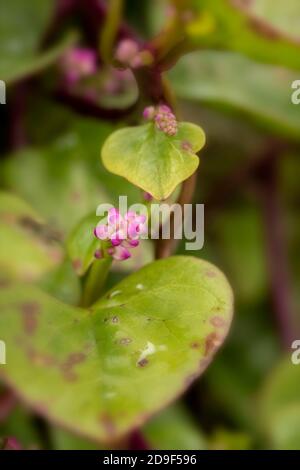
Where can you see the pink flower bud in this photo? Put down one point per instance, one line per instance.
(165, 120)
(78, 63)
(126, 51)
(149, 112)
(147, 196)
(123, 233)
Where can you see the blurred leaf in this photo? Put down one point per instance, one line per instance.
(63, 181)
(241, 246)
(152, 160)
(82, 244)
(263, 94)
(22, 426)
(62, 283)
(226, 24)
(28, 247)
(229, 440)
(64, 440)
(282, 389)
(22, 25)
(174, 429)
(279, 406)
(284, 15)
(93, 370)
(285, 429)
(248, 357)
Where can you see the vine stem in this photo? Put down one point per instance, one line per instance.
(95, 281)
(165, 247)
(276, 246)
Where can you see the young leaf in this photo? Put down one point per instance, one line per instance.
(152, 160)
(94, 370)
(28, 248)
(82, 244)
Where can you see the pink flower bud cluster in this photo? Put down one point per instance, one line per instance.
(128, 53)
(122, 233)
(164, 118)
(78, 63)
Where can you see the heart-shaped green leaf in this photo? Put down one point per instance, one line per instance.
(28, 247)
(152, 160)
(103, 371)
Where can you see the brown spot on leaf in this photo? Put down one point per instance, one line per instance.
(218, 322)
(108, 424)
(76, 263)
(4, 283)
(115, 319)
(30, 311)
(210, 273)
(190, 379)
(143, 362)
(195, 345)
(68, 366)
(125, 341)
(186, 145)
(40, 359)
(75, 196)
(45, 232)
(212, 342)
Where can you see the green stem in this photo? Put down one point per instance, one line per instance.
(95, 281)
(110, 29)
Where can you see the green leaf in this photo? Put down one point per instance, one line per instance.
(64, 440)
(285, 429)
(263, 95)
(62, 181)
(281, 390)
(22, 26)
(21, 424)
(104, 371)
(28, 248)
(65, 181)
(279, 406)
(223, 439)
(152, 160)
(82, 244)
(243, 246)
(174, 429)
(226, 24)
(285, 16)
(62, 283)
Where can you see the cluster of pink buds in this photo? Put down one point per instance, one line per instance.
(121, 233)
(164, 118)
(128, 54)
(78, 63)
